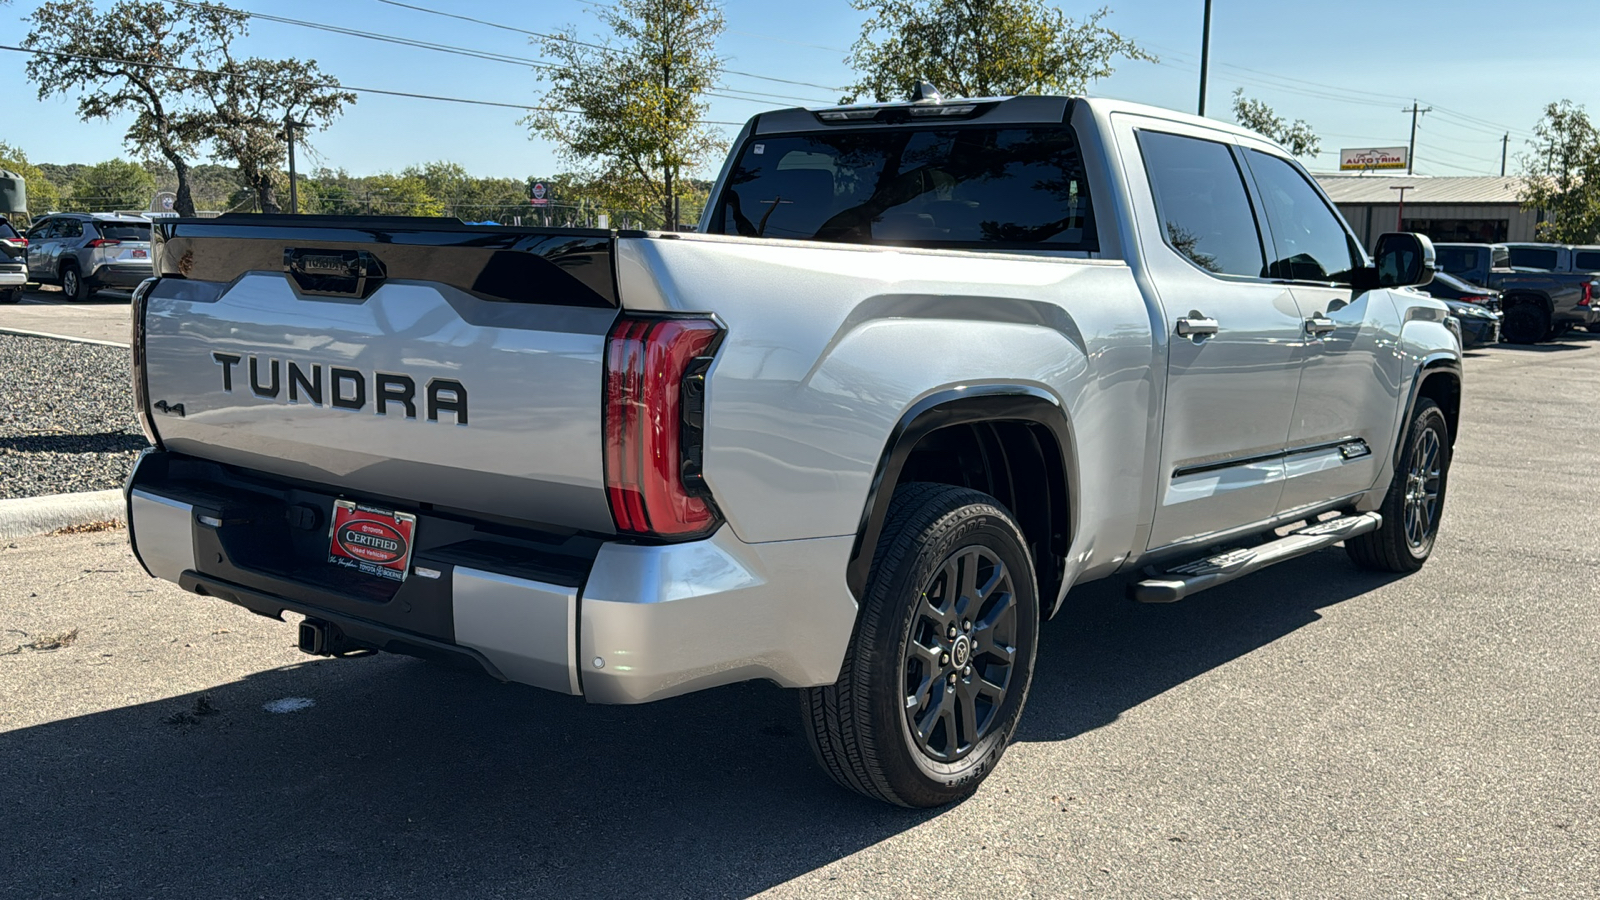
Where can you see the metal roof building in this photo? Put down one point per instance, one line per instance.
(1478, 209)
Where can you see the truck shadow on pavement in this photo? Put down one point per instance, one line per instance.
(405, 778)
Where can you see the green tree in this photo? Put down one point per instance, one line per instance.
(1561, 175)
(130, 58)
(248, 103)
(980, 48)
(627, 114)
(1297, 138)
(398, 195)
(42, 194)
(113, 184)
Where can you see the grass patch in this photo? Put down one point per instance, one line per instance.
(45, 643)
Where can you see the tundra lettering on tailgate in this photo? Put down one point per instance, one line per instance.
(344, 388)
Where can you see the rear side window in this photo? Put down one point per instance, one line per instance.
(1586, 260)
(1020, 187)
(1311, 243)
(123, 231)
(68, 228)
(1456, 259)
(1533, 257)
(1201, 200)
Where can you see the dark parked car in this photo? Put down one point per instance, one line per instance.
(87, 252)
(1480, 325)
(1445, 286)
(1536, 305)
(13, 261)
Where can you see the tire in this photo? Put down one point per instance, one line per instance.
(1525, 323)
(861, 727)
(1415, 503)
(74, 286)
(9, 295)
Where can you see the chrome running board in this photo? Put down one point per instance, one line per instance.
(1191, 578)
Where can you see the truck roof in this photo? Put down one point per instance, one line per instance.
(1024, 109)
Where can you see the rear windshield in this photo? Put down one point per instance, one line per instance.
(990, 187)
(1533, 258)
(123, 231)
(1586, 260)
(6, 231)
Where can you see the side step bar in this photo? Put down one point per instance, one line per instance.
(1192, 578)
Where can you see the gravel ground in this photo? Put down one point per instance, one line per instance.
(66, 417)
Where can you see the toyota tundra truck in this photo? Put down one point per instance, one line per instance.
(923, 368)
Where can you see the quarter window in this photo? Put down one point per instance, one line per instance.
(1310, 242)
(1201, 201)
(1586, 261)
(1533, 257)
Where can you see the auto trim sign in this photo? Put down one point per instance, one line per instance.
(1372, 158)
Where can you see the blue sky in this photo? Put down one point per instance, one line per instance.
(1486, 68)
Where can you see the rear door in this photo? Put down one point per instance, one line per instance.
(1349, 386)
(1234, 336)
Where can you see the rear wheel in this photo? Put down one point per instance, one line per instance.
(1525, 323)
(74, 285)
(1415, 502)
(938, 669)
(9, 295)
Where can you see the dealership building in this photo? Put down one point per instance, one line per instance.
(1476, 209)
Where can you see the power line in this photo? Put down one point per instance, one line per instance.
(570, 40)
(324, 84)
(486, 55)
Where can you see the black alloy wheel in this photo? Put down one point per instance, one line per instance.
(1414, 505)
(1424, 485)
(961, 654)
(937, 671)
(1525, 323)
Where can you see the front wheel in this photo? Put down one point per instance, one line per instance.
(1415, 502)
(939, 666)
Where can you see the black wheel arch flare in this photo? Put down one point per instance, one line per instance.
(1054, 518)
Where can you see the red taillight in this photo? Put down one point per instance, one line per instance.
(1478, 299)
(15, 242)
(1588, 293)
(102, 242)
(648, 360)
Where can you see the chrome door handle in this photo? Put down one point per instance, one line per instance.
(1320, 325)
(1196, 325)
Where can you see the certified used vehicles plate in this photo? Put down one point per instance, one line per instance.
(370, 539)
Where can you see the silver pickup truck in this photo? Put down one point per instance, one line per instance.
(924, 368)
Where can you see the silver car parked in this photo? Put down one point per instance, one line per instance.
(89, 252)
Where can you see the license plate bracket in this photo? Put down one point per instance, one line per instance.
(371, 539)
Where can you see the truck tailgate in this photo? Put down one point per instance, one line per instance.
(417, 361)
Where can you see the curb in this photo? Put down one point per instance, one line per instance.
(39, 515)
(23, 332)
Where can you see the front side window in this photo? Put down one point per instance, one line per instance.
(1310, 242)
(1201, 201)
(1533, 257)
(43, 229)
(964, 187)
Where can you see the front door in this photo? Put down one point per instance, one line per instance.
(1344, 413)
(1234, 337)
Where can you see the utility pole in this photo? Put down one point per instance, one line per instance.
(289, 125)
(1205, 55)
(1505, 144)
(1400, 217)
(1411, 151)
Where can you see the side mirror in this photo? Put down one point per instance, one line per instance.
(1401, 259)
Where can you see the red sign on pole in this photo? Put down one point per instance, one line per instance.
(538, 195)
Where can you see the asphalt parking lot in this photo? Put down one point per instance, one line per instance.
(43, 310)
(1310, 731)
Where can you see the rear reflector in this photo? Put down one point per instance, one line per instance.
(651, 434)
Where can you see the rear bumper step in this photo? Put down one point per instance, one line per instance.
(1191, 578)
